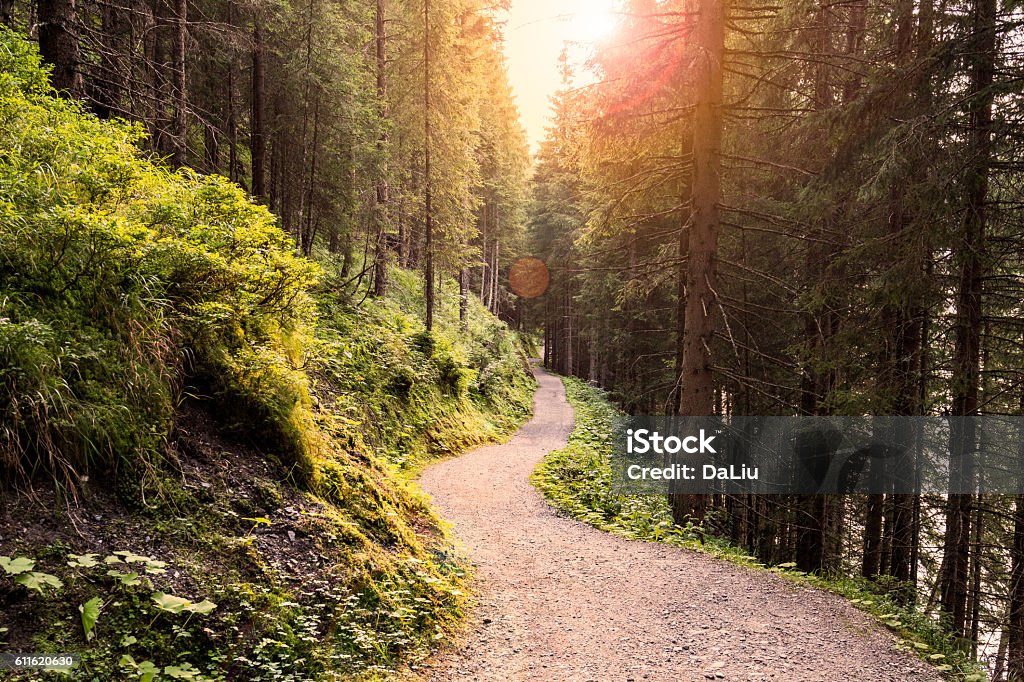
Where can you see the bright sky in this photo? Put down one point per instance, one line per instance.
(534, 36)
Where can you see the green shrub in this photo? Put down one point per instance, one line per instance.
(117, 279)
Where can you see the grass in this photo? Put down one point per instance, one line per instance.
(177, 386)
(577, 481)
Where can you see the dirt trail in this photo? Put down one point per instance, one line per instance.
(563, 601)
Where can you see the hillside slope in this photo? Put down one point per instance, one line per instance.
(201, 434)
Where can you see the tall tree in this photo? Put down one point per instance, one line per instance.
(697, 383)
(953, 582)
(380, 264)
(258, 142)
(58, 44)
(428, 196)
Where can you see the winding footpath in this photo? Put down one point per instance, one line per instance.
(560, 600)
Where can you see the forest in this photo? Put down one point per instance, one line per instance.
(258, 273)
(807, 209)
(249, 259)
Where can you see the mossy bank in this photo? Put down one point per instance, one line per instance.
(203, 434)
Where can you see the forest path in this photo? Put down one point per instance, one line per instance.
(560, 600)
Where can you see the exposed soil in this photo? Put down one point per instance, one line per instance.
(230, 486)
(563, 601)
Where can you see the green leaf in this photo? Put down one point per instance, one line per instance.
(170, 603)
(202, 607)
(156, 566)
(132, 558)
(146, 671)
(17, 566)
(128, 579)
(90, 611)
(37, 581)
(83, 560)
(185, 671)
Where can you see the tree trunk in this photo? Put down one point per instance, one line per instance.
(7, 13)
(380, 258)
(464, 299)
(58, 44)
(259, 86)
(428, 257)
(107, 91)
(180, 83)
(954, 577)
(696, 390)
(308, 229)
(232, 119)
(1015, 626)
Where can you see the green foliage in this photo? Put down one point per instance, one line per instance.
(90, 611)
(20, 568)
(124, 600)
(382, 380)
(577, 480)
(118, 276)
(132, 298)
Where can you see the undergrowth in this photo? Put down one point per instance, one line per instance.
(208, 427)
(578, 481)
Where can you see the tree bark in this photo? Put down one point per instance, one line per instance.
(464, 299)
(380, 260)
(953, 579)
(428, 257)
(7, 13)
(180, 83)
(696, 390)
(1015, 627)
(58, 44)
(258, 143)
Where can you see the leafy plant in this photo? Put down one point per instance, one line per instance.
(90, 611)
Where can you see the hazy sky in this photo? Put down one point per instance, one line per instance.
(534, 36)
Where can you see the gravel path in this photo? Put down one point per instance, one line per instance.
(560, 600)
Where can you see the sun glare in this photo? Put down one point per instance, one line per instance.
(591, 22)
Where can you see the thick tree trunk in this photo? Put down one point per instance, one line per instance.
(58, 44)
(696, 390)
(107, 90)
(180, 83)
(7, 13)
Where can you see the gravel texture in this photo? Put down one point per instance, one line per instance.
(559, 600)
